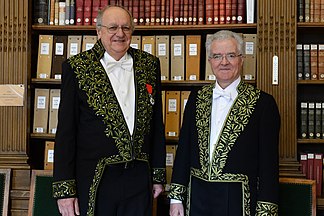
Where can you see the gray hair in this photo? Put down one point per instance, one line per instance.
(102, 11)
(223, 35)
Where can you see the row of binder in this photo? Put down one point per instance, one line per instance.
(46, 104)
(54, 49)
(180, 55)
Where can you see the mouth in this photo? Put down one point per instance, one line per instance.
(119, 41)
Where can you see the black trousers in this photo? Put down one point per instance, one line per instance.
(215, 198)
(125, 191)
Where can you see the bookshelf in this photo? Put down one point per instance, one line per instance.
(277, 32)
(38, 140)
(310, 91)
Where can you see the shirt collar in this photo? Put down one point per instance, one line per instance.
(231, 89)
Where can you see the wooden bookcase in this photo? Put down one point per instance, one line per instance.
(310, 91)
(277, 35)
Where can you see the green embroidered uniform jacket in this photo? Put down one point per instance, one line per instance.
(246, 152)
(92, 131)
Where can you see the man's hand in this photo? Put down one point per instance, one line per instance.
(68, 206)
(176, 209)
(157, 190)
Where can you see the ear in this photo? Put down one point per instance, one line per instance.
(99, 33)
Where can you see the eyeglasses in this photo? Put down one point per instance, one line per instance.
(114, 29)
(229, 56)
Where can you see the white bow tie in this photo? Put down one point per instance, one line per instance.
(125, 64)
(226, 95)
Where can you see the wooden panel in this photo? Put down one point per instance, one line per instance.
(13, 70)
(277, 37)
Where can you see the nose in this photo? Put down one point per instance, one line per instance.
(120, 31)
(224, 60)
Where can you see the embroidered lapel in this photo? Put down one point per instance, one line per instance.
(93, 80)
(236, 121)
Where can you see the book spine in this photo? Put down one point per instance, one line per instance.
(186, 12)
(318, 120)
(157, 12)
(79, 12)
(181, 12)
(228, 11)
(222, 5)
(313, 61)
(307, 10)
(195, 12)
(141, 12)
(190, 12)
(303, 120)
(306, 61)
(300, 10)
(41, 12)
(72, 12)
(52, 12)
(317, 10)
(311, 10)
(176, 12)
(61, 13)
(311, 120)
(234, 12)
(152, 12)
(94, 11)
(147, 12)
(303, 162)
(163, 8)
(299, 61)
(67, 12)
(322, 11)
(87, 12)
(318, 173)
(201, 12)
(321, 61)
(322, 121)
(171, 12)
(136, 11)
(241, 8)
(310, 166)
(216, 12)
(209, 11)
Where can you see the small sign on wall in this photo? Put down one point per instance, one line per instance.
(12, 95)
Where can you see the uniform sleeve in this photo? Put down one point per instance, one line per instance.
(64, 184)
(267, 200)
(182, 164)
(158, 152)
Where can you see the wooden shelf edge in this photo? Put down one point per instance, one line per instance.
(310, 82)
(310, 141)
(42, 136)
(310, 24)
(147, 28)
(46, 81)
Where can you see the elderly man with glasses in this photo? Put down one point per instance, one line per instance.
(227, 157)
(110, 146)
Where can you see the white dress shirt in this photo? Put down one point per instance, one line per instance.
(122, 81)
(221, 106)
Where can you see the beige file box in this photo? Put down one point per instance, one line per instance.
(45, 52)
(193, 46)
(163, 53)
(41, 110)
(172, 115)
(177, 57)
